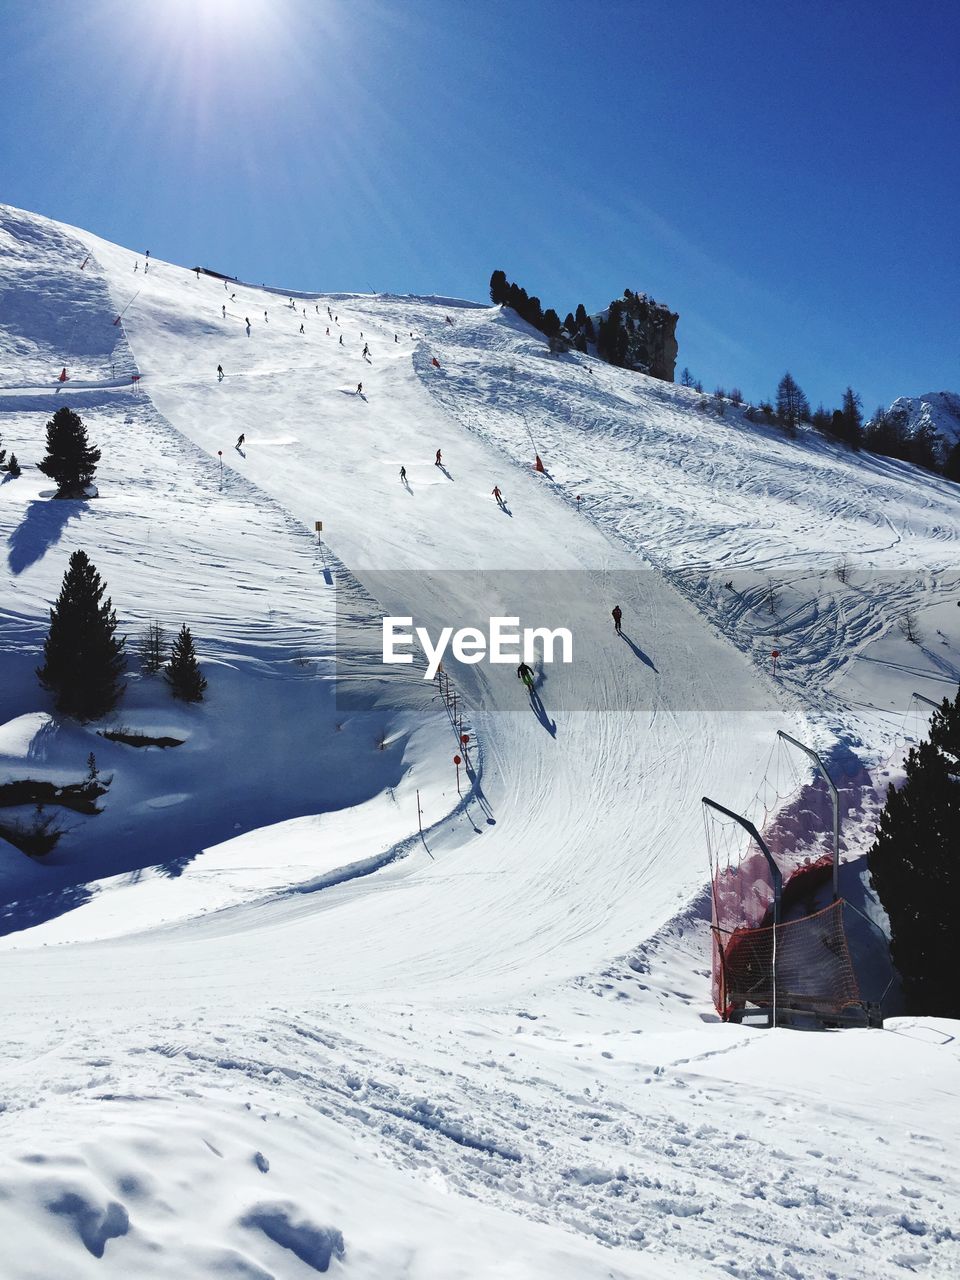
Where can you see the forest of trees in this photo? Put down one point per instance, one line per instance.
(915, 869)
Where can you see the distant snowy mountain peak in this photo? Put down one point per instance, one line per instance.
(937, 410)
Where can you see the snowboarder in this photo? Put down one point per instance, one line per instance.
(498, 495)
(438, 461)
(240, 440)
(359, 388)
(525, 674)
(617, 614)
(403, 475)
(219, 372)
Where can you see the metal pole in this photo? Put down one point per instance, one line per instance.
(419, 815)
(929, 701)
(836, 806)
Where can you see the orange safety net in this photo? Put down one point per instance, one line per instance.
(805, 962)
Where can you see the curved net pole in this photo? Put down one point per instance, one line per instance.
(775, 876)
(929, 701)
(807, 751)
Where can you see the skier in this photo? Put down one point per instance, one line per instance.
(498, 495)
(395, 338)
(617, 613)
(301, 328)
(248, 328)
(359, 388)
(341, 339)
(197, 270)
(403, 475)
(265, 318)
(240, 440)
(438, 461)
(366, 349)
(219, 372)
(525, 674)
(147, 255)
(136, 266)
(328, 331)
(233, 297)
(224, 311)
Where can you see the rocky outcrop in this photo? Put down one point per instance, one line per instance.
(637, 332)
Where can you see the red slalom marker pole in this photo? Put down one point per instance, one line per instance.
(220, 456)
(458, 762)
(774, 655)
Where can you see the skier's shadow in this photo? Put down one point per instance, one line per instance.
(540, 711)
(638, 652)
(240, 451)
(505, 509)
(406, 484)
(441, 467)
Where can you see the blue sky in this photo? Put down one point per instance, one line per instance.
(783, 175)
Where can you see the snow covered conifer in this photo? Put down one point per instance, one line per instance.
(83, 658)
(71, 460)
(183, 670)
(3, 452)
(13, 466)
(913, 865)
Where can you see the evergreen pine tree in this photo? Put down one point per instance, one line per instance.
(686, 377)
(83, 658)
(13, 466)
(951, 468)
(3, 452)
(183, 670)
(499, 290)
(915, 870)
(550, 323)
(71, 460)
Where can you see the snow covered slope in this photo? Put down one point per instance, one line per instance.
(277, 1027)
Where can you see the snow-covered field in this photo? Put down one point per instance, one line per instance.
(254, 1025)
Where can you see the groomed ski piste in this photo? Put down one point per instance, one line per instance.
(253, 1024)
